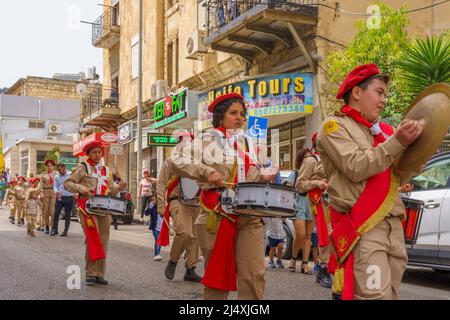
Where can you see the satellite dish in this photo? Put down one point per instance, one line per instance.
(81, 89)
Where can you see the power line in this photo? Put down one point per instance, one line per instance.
(371, 14)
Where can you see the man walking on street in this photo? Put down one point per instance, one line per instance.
(64, 199)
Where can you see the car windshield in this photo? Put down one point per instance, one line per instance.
(435, 176)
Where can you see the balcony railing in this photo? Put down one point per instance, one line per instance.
(220, 13)
(96, 101)
(105, 24)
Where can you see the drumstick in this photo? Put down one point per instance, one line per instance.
(171, 232)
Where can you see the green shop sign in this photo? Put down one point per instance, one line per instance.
(69, 162)
(161, 140)
(171, 109)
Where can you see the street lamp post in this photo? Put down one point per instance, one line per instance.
(139, 113)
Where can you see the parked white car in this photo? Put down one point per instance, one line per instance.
(432, 187)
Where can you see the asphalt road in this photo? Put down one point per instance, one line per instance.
(35, 268)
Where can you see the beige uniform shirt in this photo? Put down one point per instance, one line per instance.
(80, 182)
(9, 195)
(310, 175)
(20, 192)
(46, 185)
(201, 167)
(349, 158)
(164, 176)
(33, 207)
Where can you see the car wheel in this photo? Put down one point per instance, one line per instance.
(287, 252)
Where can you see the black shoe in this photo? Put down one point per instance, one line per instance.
(336, 296)
(64, 234)
(47, 230)
(319, 275)
(12, 221)
(22, 221)
(54, 233)
(115, 227)
(101, 281)
(90, 281)
(191, 276)
(326, 281)
(170, 270)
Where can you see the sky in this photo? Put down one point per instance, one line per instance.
(44, 37)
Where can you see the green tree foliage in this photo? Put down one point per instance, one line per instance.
(425, 62)
(382, 45)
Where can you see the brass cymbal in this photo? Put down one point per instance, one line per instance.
(433, 106)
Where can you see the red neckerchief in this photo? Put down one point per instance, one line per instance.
(356, 115)
(92, 163)
(51, 177)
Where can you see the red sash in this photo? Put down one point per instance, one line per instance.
(221, 270)
(163, 239)
(373, 205)
(315, 196)
(93, 242)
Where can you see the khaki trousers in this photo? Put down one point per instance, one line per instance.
(31, 221)
(12, 209)
(249, 259)
(185, 233)
(48, 210)
(380, 261)
(103, 223)
(20, 209)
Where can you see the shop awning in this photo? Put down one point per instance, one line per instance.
(106, 138)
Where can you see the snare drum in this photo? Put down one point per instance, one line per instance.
(106, 205)
(257, 199)
(414, 211)
(189, 191)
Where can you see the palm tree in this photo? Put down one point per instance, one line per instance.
(425, 62)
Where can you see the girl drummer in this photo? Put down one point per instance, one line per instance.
(92, 178)
(232, 246)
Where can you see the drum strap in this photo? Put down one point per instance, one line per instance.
(373, 205)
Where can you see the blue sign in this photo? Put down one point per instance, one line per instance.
(257, 127)
(289, 93)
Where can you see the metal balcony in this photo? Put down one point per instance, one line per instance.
(250, 27)
(106, 29)
(100, 108)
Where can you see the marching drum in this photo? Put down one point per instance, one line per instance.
(189, 191)
(106, 205)
(257, 199)
(414, 211)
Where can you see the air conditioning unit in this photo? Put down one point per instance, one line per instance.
(54, 129)
(159, 90)
(50, 138)
(195, 47)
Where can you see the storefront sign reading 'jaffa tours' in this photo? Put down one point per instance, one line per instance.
(281, 94)
(171, 109)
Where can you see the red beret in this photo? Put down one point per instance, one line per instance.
(33, 180)
(50, 161)
(21, 177)
(224, 97)
(314, 137)
(12, 181)
(92, 145)
(358, 75)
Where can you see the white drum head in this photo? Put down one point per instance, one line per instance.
(189, 188)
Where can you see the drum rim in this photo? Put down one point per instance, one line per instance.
(245, 206)
(271, 185)
(288, 215)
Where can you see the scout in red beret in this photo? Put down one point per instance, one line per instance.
(21, 178)
(51, 162)
(222, 98)
(12, 181)
(93, 145)
(361, 73)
